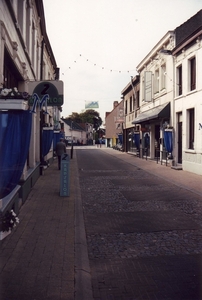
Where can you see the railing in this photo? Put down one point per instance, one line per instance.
(164, 156)
(143, 153)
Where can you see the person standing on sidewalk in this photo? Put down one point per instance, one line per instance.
(60, 149)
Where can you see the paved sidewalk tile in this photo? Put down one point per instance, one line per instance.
(37, 259)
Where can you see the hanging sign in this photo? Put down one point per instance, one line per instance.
(41, 102)
(54, 89)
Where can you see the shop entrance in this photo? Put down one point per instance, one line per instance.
(157, 141)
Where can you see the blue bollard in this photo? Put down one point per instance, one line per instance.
(64, 176)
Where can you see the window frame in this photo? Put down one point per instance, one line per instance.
(191, 128)
(192, 73)
(156, 81)
(163, 76)
(179, 80)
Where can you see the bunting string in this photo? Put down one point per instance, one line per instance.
(103, 68)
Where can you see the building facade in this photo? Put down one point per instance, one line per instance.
(26, 131)
(131, 100)
(169, 115)
(73, 132)
(187, 109)
(114, 124)
(156, 99)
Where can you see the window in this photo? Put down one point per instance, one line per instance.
(138, 99)
(11, 74)
(191, 128)
(28, 26)
(126, 107)
(156, 81)
(134, 101)
(163, 77)
(143, 90)
(179, 80)
(192, 74)
(20, 15)
(33, 45)
(131, 104)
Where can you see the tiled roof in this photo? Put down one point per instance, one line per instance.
(188, 28)
(72, 124)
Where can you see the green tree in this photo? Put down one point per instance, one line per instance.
(89, 116)
(75, 117)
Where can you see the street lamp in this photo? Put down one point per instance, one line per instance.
(72, 140)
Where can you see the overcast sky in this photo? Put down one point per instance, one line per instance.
(98, 44)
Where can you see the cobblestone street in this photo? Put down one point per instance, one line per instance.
(144, 234)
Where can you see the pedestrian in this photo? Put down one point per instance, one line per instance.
(60, 149)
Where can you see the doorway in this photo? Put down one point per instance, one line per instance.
(179, 142)
(157, 141)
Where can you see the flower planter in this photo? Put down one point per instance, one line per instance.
(4, 234)
(13, 104)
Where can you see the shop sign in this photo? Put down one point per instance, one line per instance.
(54, 89)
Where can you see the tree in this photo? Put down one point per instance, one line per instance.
(89, 116)
(75, 117)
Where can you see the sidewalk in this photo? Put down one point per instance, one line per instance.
(37, 259)
(187, 180)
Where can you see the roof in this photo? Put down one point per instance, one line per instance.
(188, 28)
(135, 80)
(73, 125)
(40, 9)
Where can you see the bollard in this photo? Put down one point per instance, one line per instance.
(72, 151)
(64, 176)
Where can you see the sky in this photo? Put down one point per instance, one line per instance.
(98, 44)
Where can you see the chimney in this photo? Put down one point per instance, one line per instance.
(116, 103)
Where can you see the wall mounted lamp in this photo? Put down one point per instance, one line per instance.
(165, 51)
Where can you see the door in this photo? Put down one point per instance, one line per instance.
(179, 142)
(157, 141)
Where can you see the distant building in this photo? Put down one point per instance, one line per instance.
(88, 127)
(73, 132)
(131, 98)
(114, 124)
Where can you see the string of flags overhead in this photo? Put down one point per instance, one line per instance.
(100, 66)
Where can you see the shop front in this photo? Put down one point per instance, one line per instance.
(133, 141)
(153, 138)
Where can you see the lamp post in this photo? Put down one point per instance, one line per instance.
(72, 141)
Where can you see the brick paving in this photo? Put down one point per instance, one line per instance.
(37, 258)
(143, 232)
(131, 229)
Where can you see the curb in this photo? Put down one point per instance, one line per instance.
(83, 285)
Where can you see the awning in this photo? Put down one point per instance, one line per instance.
(159, 112)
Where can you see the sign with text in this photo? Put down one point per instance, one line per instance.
(53, 88)
(148, 86)
(64, 176)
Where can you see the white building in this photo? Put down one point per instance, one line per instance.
(73, 132)
(170, 98)
(188, 94)
(156, 98)
(26, 57)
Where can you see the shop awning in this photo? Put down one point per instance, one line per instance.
(159, 112)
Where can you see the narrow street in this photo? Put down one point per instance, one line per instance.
(144, 233)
